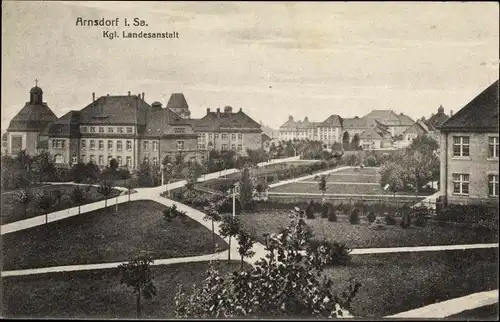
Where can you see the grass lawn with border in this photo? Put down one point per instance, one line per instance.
(13, 211)
(363, 236)
(103, 236)
(307, 186)
(395, 283)
(98, 293)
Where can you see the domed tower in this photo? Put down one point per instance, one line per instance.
(36, 95)
(440, 109)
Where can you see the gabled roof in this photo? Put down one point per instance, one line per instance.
(387, 117)
(32, 117)
(128, 109)
(66, 126)
(214, 121)
(177, 101)
(290, 123)
(480, 114)
(370, 134)
(357, 122)
(332, 121)
(405, 120)
(437, 119)
(265, 137)
(418, 124)
(162, 122)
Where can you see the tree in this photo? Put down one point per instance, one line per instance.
(105, 189)
(212, 212)
(43, 202)
(424, 144)
(392, 174)
(78, 196)
(322, 185)
(144, 178)
(113, 165)
(170, 213)
(79, 172)
(92, 172)
(245, 241)
(287, 283)
(42, 167)
(355, 142)
(229, 227)
(345, 140)
(179, 163)
(22, 197)
(246, 189)
(57, 194)
(137, 275)
(129, 185)
(193, 174)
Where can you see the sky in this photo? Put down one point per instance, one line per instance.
(272, 59)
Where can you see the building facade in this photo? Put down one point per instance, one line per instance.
(469, 151)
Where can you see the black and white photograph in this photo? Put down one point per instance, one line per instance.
(250, 160)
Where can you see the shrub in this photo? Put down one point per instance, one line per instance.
(371, 217)
(389, 220)
(420, 220)
(335, 253)
(310, 210)
(325, 209)
(405, 221)
(354, 217)
(332, 216)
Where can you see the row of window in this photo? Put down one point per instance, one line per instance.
(58, 144)
(461, 183)
(461, 146)
(225, 147)
(92, 144)
(154, 144)
(100, 160)
(110, 129)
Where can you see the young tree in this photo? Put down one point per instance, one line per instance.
(212, 212)
(345, 141)
(246, 189)
(137, 275)
(246, 242)
(105, 189)
(42, 167)
(79, 172)
(229, 227)
(92, 172)
(129, 185)
(43, 202)
(78, 196)
(322, 185)
(22, 197)
(286, 283)
(57, 194)
(355, 142)
(170, 213)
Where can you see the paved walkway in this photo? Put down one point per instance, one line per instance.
(349, 183)
(451, 307)
(271, 193)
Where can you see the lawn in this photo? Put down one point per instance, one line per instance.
(105, 236)
(13, 211)
(363, 236)
(98, 293)
(394, 283)
(361, 178)
(272, 168)
(391, 283)
(489, 312)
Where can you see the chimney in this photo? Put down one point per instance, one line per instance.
(228, 109)
(241, 109)
(107, 94)
(306, 119)
(93, 97)
(290, 118)
(451, 113)
(128, 93)
(208, 110)
(143, 96)
(156, 106)
(218, 112)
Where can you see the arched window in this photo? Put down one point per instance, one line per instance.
(59, 158)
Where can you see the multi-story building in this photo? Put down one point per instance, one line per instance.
(469, 151)
(330, 130)
(26, 128)
(227, 130)
(396, 124)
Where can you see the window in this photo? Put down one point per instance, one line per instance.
(129, 145)
(92, 158)
(180, 145)
(109, 159)
(146, 145)
(101, 145)
(461, 183)
(83, 144)
(101, 129)
(233, 136)
(493, 147)
(201, 146)
(119, 160)
(74, 159)
(130, 130)
(92, 144)
(493, 185)
(110, 145)
(224, 136)
(101, 160)
(240, 147)
(83, 158)
(216, 136)
(129, 161)
(210, 135)
(59, 158)
(224, 147)
(460, 146)
(233, 146)
(110, 129)
(240, 136)
(92, 129)
(119, 145)
(155, 146)
(179, 130)
(155, 161)
(120, 129)
(84, 129)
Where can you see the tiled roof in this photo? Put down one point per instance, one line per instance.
(405, 120)
(387, 117)
(357, 122)
(479, 114)
(177, 100)
(32, 117)
(67, 125)
(436, 120)
(225, 121)
(420, 124)
(116, 110)
(265, 137)
(43, 144)
(332, 121)
(370, 134)
(290, 123)
(163, 121)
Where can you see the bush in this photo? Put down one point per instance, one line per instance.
(371, 217)
(325, 209)
(354, 217)
(310, 210)
(332, 216)
(405, 221)
(421, 215)
(336, 253)
(389, 220)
